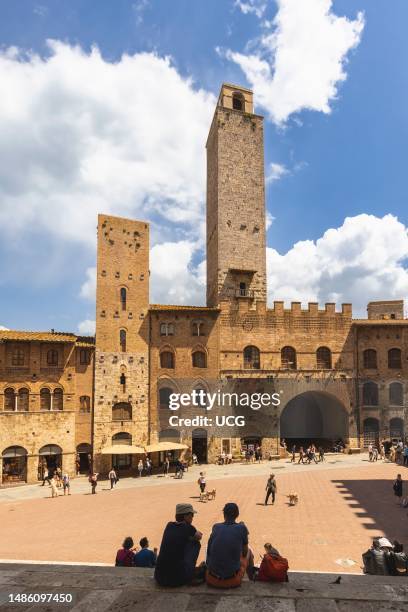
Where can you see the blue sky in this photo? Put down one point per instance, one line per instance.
(333, 90)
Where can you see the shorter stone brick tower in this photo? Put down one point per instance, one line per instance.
(122, 353)
(236, 256)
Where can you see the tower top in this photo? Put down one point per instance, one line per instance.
(236, 97)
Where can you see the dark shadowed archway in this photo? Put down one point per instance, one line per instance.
(314, 416)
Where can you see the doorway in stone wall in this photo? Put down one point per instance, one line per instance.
(200, 444)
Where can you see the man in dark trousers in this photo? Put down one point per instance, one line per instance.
(179, 550)
(271, 489)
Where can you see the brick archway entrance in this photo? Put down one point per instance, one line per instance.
(314, 417)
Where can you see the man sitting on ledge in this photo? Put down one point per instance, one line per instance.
(228, 555)
(179, 550)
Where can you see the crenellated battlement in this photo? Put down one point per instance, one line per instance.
(312, 309)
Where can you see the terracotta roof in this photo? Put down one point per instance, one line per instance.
(181, 307)
(31, 336)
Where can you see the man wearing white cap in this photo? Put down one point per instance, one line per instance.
(179, 549)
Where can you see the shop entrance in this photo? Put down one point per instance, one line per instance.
(50, 458)
(14, 465)
(199, 444)
(84, 458)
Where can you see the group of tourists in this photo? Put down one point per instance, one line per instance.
(388, 451)
(306, 456)
(385, 558)
(225, 458)
(56, 480)
(131, 556)
(229, 557)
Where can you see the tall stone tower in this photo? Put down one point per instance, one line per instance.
(122, 355)
(236, 258)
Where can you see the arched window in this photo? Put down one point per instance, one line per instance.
(45, 399)
(123, 298)
(397, 428)
(167, 329)
(396, 394)
(167, 359)
(288, 358)
(371, 429)
(18, 356)
(164, 397)
(238, 101)
(9, 399)
(370, 359)
(122, 412)
(394, 358)
(252, 358)
(58, 399)
(122, 340)
(323, 358)
(52, 357)
(84, 357)
(22, 404)
(122, 438)
(370, 394)
(197, 328)
(122, 382)
(199, 359)
(84, 403)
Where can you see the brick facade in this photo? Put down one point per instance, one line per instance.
(320, 359)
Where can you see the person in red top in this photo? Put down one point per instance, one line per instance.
(125, 555)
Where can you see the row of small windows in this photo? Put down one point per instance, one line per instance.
(49, 400)
(197, 329)
(168, 360)
(394, 359)
(252, 358)
(19, 401)
(371, 396)
(19, 357)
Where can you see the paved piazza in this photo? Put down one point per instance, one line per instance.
(343, 504)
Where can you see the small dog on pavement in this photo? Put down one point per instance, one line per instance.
(293, 499)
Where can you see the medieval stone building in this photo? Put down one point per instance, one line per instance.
(67, 400)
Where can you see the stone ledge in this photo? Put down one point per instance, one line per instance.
(102, 588)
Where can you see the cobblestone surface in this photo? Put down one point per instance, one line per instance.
(342, 506)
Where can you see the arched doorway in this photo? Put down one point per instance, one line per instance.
(84, 458)
(397, 429)
(199, 444)
(14, 460)
(371, 431)
(314, 417)
(51, 458)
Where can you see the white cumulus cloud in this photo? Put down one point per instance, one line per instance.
(87, 327)
(275, 172)
(361, 261)
(81, 135)
(257, 7)
(88, 288)
(299, 60)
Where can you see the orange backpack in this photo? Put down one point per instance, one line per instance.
(273, 568)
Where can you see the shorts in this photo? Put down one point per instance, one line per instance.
(228, 583)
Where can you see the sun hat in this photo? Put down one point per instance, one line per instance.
(185, 509)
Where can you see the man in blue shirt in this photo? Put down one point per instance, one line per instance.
(145, 557)
(228, 555)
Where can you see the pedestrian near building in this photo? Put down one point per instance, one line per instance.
(293, 457)
(397, 487)
(370, 452)
(301, 455)
(66, 485)
(140, 468)
(321, 453)
(166, 466)
(202, 482)
(271, 489)
(406, 455)
(375, 453)
(46, 477)
(382, 451)
(93, 479)
(112, 478)
(54, 489)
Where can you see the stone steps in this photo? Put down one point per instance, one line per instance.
(103, 589)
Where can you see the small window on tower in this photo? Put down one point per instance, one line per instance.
(123, 298)
(242, 289)
(238, 101)
(122, 339)
(123, 382)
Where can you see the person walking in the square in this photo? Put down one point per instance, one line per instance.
(202, 482)
(112, 478)
(93, 479)
(397, 486)
(271, 489)
(46, 477)
(293, 457)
